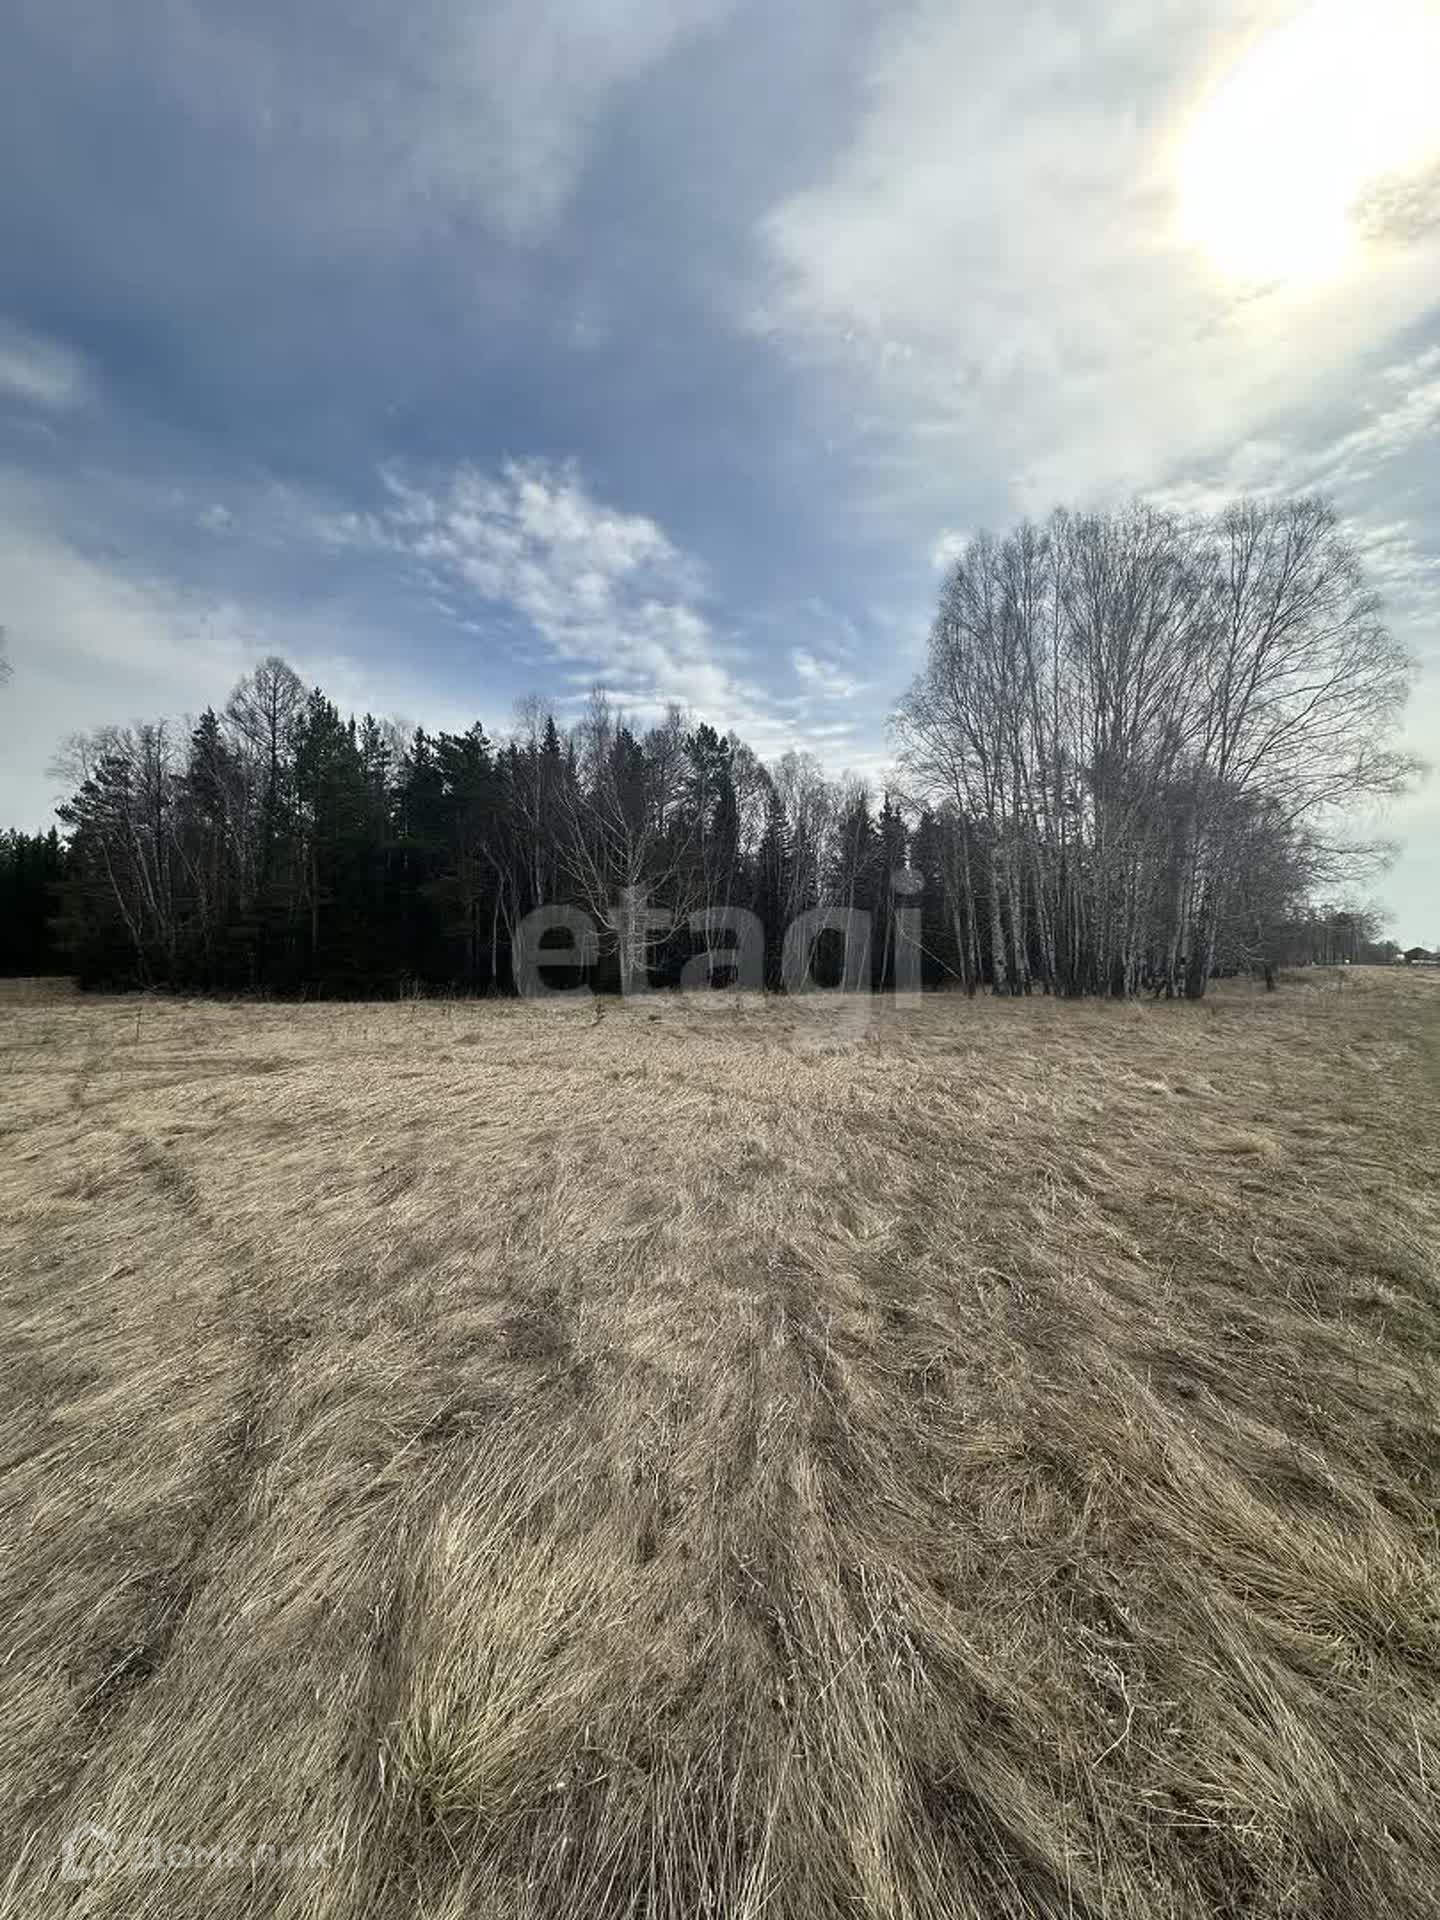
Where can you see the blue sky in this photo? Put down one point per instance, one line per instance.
(460, 351)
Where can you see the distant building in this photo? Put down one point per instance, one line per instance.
(1419, 957)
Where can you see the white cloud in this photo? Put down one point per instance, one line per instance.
(1406, 413)
(94, 644)
(948, 548)
(1396, 410)
(615, 601)
(828, 679)
(40, 372)
(91, 648)
(526, 549)
(490, 107)
(1406, 573)
(990, 284)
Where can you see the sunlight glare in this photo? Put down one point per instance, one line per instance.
(1275, 159)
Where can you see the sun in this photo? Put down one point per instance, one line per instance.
(1279, 152)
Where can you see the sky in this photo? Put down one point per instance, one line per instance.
(478, 348)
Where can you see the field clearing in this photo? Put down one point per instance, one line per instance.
(700, 1457)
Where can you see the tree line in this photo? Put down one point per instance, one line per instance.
(1118, 770)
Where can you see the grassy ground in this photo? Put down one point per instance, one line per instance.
(705, 1461)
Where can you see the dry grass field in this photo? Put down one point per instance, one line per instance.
(708, 1461)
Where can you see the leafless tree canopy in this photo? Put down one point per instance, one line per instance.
(1139, 730)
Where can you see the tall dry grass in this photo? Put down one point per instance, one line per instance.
(703, 1461)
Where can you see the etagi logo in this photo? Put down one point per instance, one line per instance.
(731, 948)
(87, 1851)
